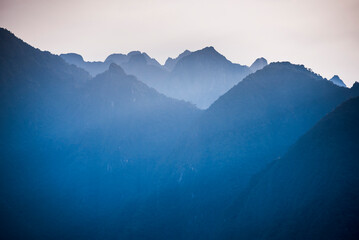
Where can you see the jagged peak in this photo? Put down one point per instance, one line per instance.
(209, 49)
(185, 52)
(337, 81)
(207, 52)
(355, 86)
(171, 62)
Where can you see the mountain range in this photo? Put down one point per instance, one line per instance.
(249, 127)
(198, 77)
(109, 150)
(88, 134)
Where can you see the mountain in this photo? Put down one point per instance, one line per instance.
(32, 83)
(258, 64)
(93, 68)
(146, 119)
(203, 76)
(137, 63)
(120, 59)
(337, 81)
(259, 118)
(77, 151)
(247, 128)
(312, 191)
(146, 70)
(110, 157)
(198, 77)
(171, 62)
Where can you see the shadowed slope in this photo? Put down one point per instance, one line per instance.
(312, 192)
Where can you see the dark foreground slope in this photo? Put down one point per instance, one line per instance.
(251, 125)
(76, 151)
(310, 193)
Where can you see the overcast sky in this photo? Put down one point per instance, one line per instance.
(321, 34)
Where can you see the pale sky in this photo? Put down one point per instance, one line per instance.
(321, 34)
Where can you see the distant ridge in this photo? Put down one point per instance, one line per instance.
(258, 64)
(337, 81)
(171, 62)
(199, 77)
(202, 76)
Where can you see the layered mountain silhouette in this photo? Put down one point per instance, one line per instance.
(171, 62)
(259, 118)
(74, 142)
(337, 81)
(92, 68)
(95, 68)
(104, 150)
(203, 76)
(244, 130)
(310, 193)
(199, 77)
(258, 64)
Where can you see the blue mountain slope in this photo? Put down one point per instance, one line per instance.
(74, 148)
(247, 128)
(310, 193)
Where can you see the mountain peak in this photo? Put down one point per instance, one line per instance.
(207, 54)
(209, 49)
(337, 81)
(258, 64)
(117, 58)
(72, 57)
(132, 53)
(171, 62)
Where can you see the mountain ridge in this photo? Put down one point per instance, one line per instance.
(199, 77)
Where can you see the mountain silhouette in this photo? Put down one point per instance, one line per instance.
(92, 68)
(203, 76)
(136, 63)
(310, 193)
(78, 146)
(146, 70)
(337, 81)
(268, 110)
(258, 64)
(198, 77)
(104, 150)
(171, 62)
(247, 128)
